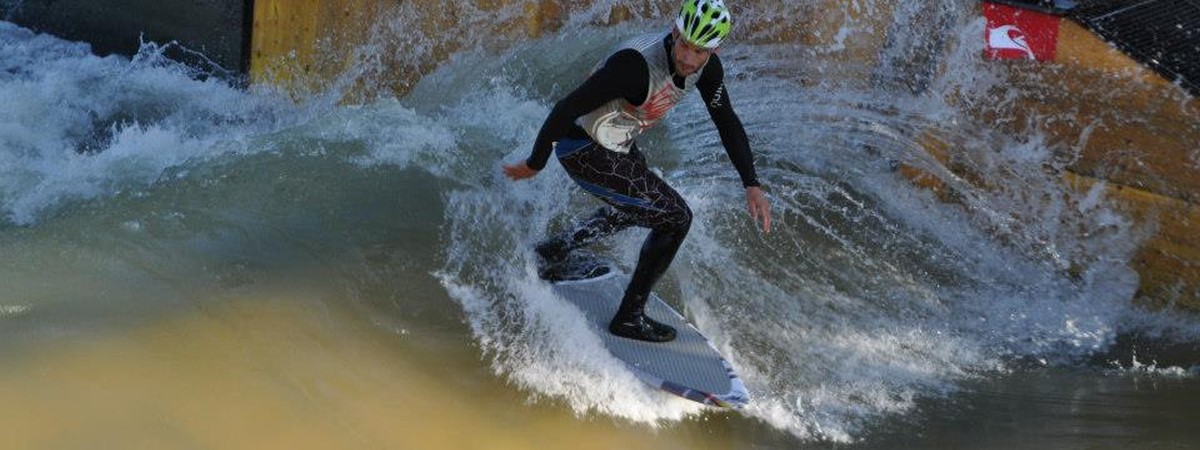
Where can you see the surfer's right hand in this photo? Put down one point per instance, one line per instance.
(519, 171)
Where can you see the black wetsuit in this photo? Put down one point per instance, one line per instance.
(624, 75)
(637, 196)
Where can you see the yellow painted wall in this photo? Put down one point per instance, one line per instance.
(1169, 262)
(303, 44)
(1144, 135)
(1120, 123)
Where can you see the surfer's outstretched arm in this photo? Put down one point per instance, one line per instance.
(733, 138)
(623, 75)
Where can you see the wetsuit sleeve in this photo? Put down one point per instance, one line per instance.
(624, 75)
(733, 136)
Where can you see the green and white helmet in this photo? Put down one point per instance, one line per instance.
(704, 23)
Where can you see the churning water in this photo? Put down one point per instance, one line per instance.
(133, 191)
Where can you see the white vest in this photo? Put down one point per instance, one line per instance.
(615, 124)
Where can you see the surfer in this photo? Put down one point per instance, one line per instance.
(593, 132)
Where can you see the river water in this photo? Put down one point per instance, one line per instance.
(189, 265)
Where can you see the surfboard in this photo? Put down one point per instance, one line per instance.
(689, 366)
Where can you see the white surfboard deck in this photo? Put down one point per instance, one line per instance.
(688, 366)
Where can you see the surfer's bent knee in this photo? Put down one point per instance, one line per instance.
(679, 220)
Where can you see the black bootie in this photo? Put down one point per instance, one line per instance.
(635, 324)
(558, 258)
(631, 321)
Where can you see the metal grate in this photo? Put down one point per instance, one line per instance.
(1049, 6)
(1163, 34)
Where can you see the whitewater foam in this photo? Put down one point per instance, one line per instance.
(79, 126)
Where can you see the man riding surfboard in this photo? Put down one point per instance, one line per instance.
(593, 132)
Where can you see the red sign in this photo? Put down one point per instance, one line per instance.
(1015, 33)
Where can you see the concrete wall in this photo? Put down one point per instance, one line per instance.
(218, 29)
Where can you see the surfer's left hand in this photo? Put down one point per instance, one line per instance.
(519, 171)
(759, 206)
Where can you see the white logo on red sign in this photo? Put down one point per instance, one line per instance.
(1009, 37)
